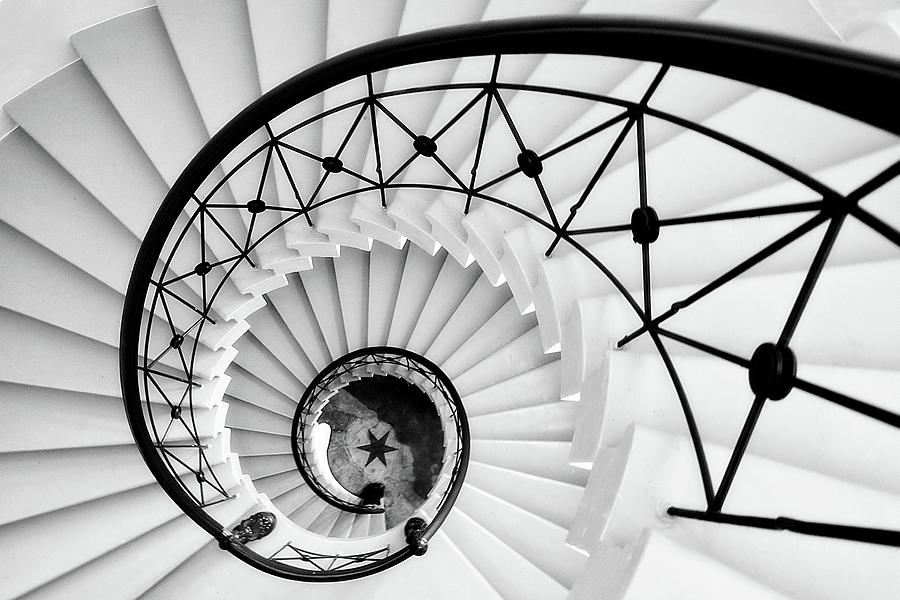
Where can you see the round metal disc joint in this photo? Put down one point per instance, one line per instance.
(256, 206)
(176, 341)
(332, 164)
(530, 163)
(175, 413)
(644, 225)
(203, 268)
(425, 146)
(772, 371)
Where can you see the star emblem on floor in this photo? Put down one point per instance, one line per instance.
(377, 448)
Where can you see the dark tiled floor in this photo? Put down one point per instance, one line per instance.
(378, 406)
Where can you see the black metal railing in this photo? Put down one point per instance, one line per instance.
(380, 359)
(290, 554)
(163, 326)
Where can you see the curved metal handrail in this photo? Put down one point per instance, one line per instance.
(382, 355)
(862, 86)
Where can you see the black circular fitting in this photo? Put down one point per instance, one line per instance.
(332, 164)
(176, 341)
(203, 268)
(414, 531)
(425, 146)
(644, 225)
(200, 477)
(772, 371)
(175, 413)
(530, 163)
(256, 206)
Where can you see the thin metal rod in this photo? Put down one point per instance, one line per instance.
(729, 275)
(693, 430)
(738, 454)
(871, 535)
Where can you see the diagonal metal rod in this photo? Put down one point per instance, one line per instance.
(482, 131)
(573, 210)
(375, 140)
(561, 148)
(885, 416)
(877, 224)
(729, 275)
(635, 113)
(548, 206)
(688, 412)
(737, 455)
(812, 276)
(287, 172)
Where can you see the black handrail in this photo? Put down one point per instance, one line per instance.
(859, 85)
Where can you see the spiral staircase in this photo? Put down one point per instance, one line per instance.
(586, 472)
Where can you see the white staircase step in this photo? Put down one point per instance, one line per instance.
(360, 526)
(531, 388)
(322, 291)
(287, 490)
(295, 309)
(762, 555)
(246, 415)
(419, 274)
(501, 329)
(72, 119)
(268, 464)
(305, 514)
(32, 555)
(84, 306)
(215, 50)
(134, 62)
(554, 422)
(181, 537)
(521, 355)
(53, 487)
(270, 330)
(791, 18)
(325, 520)
(537, 540)
(386, 267)
(835, 442)
(343, 526)
(507, 571)
(451, 286)
(552, 500)
(650, 471)
(28, 171)
(287, 38)
(256, 358)
(39, 418)
(473, 311)
(655, 566)
(764, 302)
(89, 366)
(586, 340)
(246, 442)
(252, 389)
(377, 524)
(547, 459)
(352, 272)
